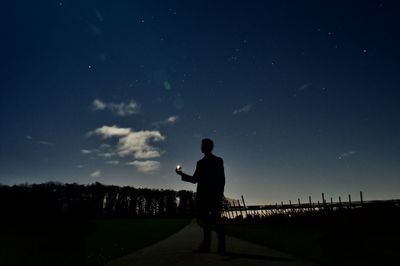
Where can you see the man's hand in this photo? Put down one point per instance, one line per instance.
(178, 170)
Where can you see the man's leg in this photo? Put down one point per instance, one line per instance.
(204, 216)
(219, 228)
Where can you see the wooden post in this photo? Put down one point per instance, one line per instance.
(234, 206)
(299, 210)
(309, 199)
(361, 199)
(349, 201)
(331, 203)
(240, 208)
(323, 200)
(229, 213)
(244, 206)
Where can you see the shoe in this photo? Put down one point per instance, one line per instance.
(203, 248)
(221, 250)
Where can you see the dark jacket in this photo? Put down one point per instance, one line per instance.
(210, 179)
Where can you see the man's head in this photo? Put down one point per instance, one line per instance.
(207, 146)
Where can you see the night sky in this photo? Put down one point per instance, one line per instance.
(300, 97)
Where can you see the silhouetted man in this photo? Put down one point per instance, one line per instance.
(210, 179)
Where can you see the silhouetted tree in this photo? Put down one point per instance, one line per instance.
(57, 200)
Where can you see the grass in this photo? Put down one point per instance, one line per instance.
(289, 239)
(114, 238)
(78, 243)
(365, 238)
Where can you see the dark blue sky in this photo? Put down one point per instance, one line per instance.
(300, 97)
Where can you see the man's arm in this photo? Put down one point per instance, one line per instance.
(188, 178)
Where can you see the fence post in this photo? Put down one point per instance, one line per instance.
(361, 199)
(234, 206)
(323, 200)
(229, 211)
(340, 202)
(349, 201)
(309, 199)
(240, 208)
(299, 209)
(244, 206)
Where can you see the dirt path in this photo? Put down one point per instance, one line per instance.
(177, 250)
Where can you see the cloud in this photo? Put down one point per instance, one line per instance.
(105, 154)
(43, 142)
(105, 146)
(167, 122)
(98, 14)
(98, 105)
(244, 109)
(304, 87)
(109, 131)
(84, 151)
(138, 144)
(95, 29)
(96, 173)
(113, 162)
(146, 166)
(135, 143)
(120, 109)
(346, 154)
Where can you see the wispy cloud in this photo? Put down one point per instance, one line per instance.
(303, 87)
(146, 166)
(346, 154)
(113, 162)
(98, 14)
(109, 132)
(43, 142)
(243, 109)
(167, 122)
(96, 173)
(105, 154)
(84, 151)
(120, 109)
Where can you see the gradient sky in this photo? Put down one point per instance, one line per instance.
(300, 97)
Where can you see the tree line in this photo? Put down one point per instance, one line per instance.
(93, 201)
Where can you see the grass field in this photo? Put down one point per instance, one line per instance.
(348, 239)
(77, 243)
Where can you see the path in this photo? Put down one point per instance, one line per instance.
(177, 250)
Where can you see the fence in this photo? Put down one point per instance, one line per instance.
(237, 208)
